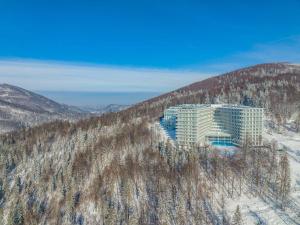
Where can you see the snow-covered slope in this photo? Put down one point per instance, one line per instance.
(120, 168)
(266, 210)
(22, 108)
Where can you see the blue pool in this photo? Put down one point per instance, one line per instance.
(223, 143)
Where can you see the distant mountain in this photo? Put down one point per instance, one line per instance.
(104, 109)
(22, 108)
(115, 108)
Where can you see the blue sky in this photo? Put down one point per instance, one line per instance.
(139, 45)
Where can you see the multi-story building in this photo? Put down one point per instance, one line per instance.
(219, 123)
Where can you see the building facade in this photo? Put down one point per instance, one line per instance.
(216, 123)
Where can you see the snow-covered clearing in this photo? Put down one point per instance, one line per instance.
(256, 210)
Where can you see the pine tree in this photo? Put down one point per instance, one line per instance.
(1, 214)
(297, 123)
(2, 193)
(16, 216)
(284, 179)
(223, 211)
(237, 217)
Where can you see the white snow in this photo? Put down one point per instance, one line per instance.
(264, 211)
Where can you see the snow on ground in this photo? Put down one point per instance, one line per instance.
(227, 150)
(264, 211)
(256, 210)
(289, 141)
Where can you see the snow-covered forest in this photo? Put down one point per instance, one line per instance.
(120, 168)
(20, 108)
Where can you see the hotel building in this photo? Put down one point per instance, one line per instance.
(215, 124)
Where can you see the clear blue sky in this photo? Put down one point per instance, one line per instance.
(138, 45)
(139, 33)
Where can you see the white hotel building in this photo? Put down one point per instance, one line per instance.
(218, 123)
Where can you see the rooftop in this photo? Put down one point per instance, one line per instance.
(192, 106)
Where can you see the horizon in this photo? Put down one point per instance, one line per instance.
(113, 46)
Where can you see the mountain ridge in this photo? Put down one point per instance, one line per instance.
(233, 86)
(20, 107)
(23, 92)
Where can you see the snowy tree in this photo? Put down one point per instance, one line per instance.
(297, 123)
(284, 178)
(223, 212)
(16, 216)
(2, 193)
(237, 217)
(1, 214)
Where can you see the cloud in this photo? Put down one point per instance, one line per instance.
(62, 76)
(38, 75)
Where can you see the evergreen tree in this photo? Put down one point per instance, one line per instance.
(284, 179)
(1, 214)
(2, 194)
(223, 211)
(297, 123)
(16, 216)
(237, 217)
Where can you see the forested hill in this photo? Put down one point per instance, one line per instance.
(23, 108)
(274, 86)
(117, 169)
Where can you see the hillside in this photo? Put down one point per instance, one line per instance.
(22, 108)
(274, 86)
(119, 168)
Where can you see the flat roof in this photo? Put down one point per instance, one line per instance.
(191, 106)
